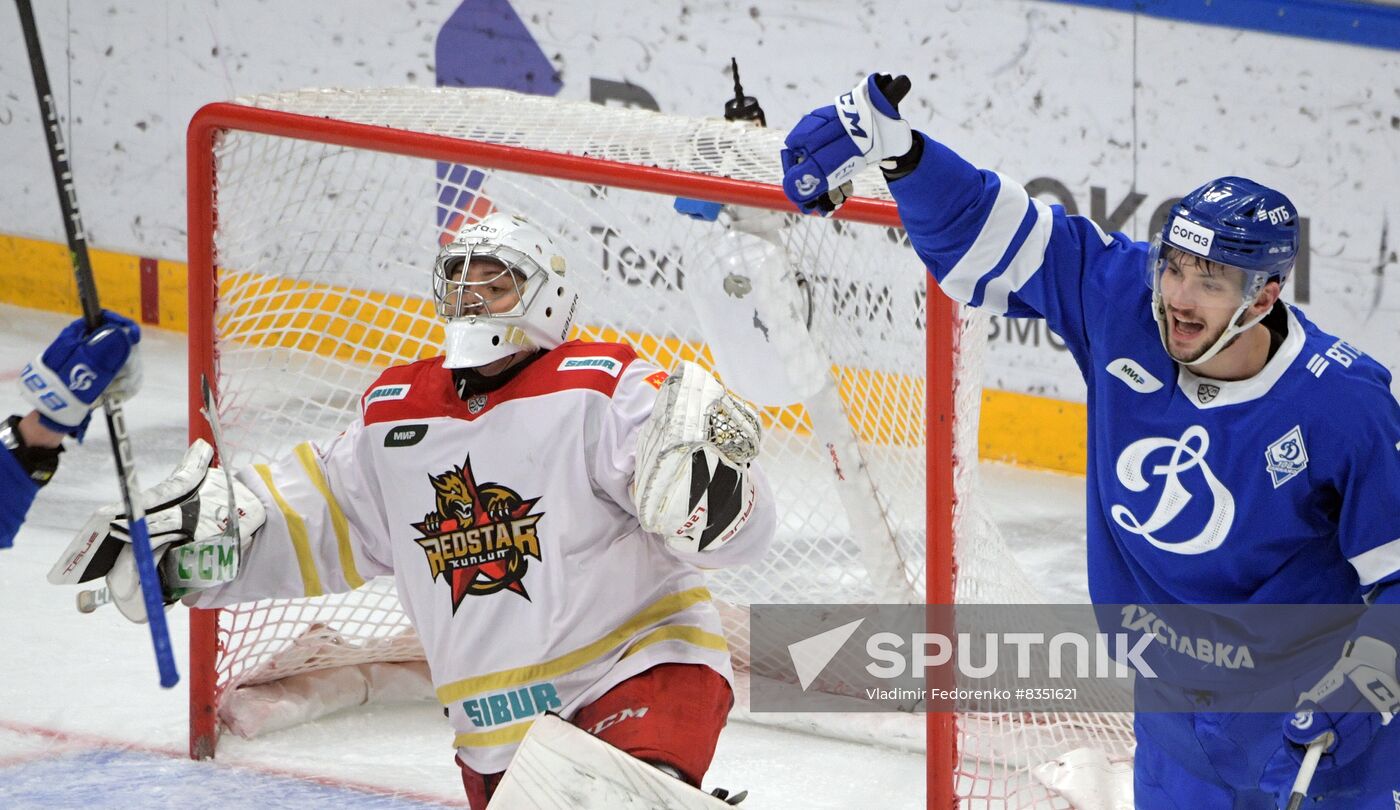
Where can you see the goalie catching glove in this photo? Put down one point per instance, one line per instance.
(692, 484)
(193, 541)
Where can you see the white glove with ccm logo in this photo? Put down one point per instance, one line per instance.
(195, 540)
(692, 485)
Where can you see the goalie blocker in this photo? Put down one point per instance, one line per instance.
(194, 543)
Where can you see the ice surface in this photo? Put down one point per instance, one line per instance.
(83, 721)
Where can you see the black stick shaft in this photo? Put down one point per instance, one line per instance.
(62, 170)
(92, 313)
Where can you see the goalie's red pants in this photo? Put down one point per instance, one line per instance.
(686, 706)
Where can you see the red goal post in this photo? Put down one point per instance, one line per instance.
(211, 200)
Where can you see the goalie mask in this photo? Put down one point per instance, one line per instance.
(1218, 249)
(500, 287)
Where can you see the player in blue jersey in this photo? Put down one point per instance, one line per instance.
(1237, 453)
(63, 384)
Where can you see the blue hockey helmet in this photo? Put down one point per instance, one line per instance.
(1239, 223)
(1235, 223)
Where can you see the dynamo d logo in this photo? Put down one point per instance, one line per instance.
(1187, 453)
(81, 378)
(479, 538)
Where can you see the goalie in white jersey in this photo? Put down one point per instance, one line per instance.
(544, 507)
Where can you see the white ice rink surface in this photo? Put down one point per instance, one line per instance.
(84, 723)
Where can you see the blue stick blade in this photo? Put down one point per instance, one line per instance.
(155, 605)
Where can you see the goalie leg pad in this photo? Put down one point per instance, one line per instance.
(559, 765)
(693, 453)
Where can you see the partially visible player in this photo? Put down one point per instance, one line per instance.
(63, 384)
(1237, 453)
(543, 505)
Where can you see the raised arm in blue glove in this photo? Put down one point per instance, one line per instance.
(63, 384)
(833, 143)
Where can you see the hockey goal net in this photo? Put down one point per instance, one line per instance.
(314, 219)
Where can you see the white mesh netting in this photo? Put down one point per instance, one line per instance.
(325, 256)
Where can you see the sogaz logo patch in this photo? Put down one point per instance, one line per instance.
(1191, 236)
(405, 435)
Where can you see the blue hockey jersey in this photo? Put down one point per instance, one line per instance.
(16, 494)
(1283, 488)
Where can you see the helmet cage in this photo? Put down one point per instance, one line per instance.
(462, 298)
(546, 299)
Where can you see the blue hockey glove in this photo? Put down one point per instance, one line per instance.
(831, 144)
(64, 382)
(1352, 701)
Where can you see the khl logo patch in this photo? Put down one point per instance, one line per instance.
(1287, 456)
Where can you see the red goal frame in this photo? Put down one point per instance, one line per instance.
(213, 119)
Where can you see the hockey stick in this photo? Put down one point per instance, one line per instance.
(92, 313)
(1305, 771)
(211, 415)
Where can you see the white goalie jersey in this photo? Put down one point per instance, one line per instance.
(508, 524)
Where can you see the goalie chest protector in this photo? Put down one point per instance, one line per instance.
(508, 524)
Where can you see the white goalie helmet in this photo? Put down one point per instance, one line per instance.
(478, 273)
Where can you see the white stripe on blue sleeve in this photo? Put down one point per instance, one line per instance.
(1378, 563)
(1028, 258)
(1103, 237)
(1004, 220)
(1008, 250)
